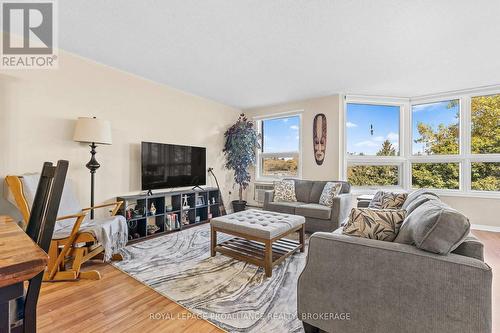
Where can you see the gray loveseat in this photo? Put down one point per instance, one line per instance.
(352, 284)
(318, 217)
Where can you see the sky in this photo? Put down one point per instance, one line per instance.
(281, 134)
(385, 122)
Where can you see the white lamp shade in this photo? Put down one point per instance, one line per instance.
(93, 130)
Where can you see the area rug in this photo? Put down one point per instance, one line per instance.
(234, 295)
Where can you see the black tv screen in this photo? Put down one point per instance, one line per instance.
(167, 166)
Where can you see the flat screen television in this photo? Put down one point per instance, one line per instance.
(168, 166)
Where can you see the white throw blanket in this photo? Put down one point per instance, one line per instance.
(110, 232)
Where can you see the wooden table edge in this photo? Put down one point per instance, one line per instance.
(25, 270)
(20, 276)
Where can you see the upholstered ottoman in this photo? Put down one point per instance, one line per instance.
(259, 237)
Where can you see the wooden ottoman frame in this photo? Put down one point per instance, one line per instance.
(262, 252)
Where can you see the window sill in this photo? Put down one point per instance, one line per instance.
(371, 191)
(471, 194)
(270, 180)
(443, 193)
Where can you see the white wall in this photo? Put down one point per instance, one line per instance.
(38, 110)
(480, 211)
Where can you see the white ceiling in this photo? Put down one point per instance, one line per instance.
(251, 53)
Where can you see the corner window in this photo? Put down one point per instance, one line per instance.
(280, 153)
(451, 144)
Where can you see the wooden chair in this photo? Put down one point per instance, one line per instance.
(67, 253)
(40, 228)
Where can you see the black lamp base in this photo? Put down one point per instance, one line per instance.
(92, 165)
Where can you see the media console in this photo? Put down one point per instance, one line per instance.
(161, 213)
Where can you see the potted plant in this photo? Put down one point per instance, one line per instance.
(241, 143)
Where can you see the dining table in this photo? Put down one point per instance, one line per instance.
(20, 260)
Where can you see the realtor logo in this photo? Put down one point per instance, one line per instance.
(28, 39)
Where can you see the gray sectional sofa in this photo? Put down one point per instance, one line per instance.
(353, 284)
(318, 217)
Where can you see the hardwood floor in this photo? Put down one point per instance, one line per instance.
(118, 303)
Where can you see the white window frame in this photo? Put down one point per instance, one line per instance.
(438, 158)
(406, 158)
(353, 160)
(261, 155)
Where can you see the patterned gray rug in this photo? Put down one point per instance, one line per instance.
(232, 294)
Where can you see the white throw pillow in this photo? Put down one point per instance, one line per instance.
(330, 191)
(284, 191)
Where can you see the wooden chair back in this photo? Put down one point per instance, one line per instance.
(41, 227)
(15, 185)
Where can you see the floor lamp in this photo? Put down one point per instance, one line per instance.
(94, 131)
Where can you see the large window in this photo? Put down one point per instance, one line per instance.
(450, 144)
(372, 144)
(280, 153)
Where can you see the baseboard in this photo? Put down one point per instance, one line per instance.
(483, 227)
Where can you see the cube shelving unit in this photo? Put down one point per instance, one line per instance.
(170, 212)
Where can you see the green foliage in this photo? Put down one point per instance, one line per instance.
(373, 175)
(241, 143)
(436, 175)
(442, 141)
(485, 112)
(387, 149)
(485, 176)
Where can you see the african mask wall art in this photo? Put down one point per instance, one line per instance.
(319, 138)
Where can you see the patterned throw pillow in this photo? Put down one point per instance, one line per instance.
(374, 224)
(330, 191)
(387, 200)
(284, 191)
